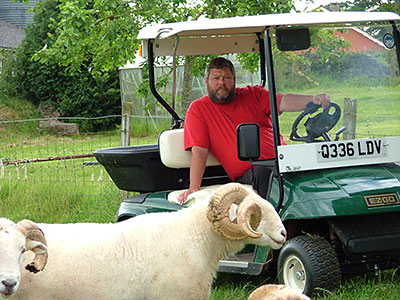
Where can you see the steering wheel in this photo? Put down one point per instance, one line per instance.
(318, 125)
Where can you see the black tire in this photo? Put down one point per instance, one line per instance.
(307, 263)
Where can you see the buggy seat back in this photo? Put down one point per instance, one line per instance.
(172, 150)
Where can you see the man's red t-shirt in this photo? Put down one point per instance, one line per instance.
(213, 126)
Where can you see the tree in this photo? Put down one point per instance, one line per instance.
(373, 5)
(100, 35)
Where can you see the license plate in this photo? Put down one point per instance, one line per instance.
(354, 149)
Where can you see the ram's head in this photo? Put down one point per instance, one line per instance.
(15, 240)
(237, 213)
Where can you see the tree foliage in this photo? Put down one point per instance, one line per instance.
(93, 35)
(101, 35)
(372, 5)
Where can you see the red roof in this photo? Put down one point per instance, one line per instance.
(360, 40)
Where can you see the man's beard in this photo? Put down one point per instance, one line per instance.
(218, 99)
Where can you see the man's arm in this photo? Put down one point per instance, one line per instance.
(197, 167)
(298, 102)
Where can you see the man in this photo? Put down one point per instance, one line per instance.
(211, 122)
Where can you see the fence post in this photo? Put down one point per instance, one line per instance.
(127, 111)
(350, 118)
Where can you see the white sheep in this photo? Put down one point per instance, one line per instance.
(154, 256)
(276, 292)
(15, 240)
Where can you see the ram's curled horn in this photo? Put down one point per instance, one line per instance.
(34, 235)
(249, 217)
(248, 212)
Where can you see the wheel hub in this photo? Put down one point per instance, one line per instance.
(300, 275)
(294, 273)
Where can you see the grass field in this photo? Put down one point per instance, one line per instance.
(78, 191)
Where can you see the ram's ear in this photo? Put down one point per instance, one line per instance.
(35, 242)
(41, 255)
(232, 212)
(36, 247)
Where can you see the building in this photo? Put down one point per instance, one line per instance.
(14, 18)
(10, 35)
(16, 13)
(359, 40)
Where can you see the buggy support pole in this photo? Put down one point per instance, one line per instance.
(262, 59)
(274, 110)
(396, 36)
(177, 119)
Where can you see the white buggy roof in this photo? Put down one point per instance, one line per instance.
(237, 34)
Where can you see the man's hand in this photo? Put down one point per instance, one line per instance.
(183, 197)
(197, 167)
(322, 99)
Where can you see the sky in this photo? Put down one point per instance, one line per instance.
(309, 5)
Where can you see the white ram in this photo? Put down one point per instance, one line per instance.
(15, 240)
(154, 256)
